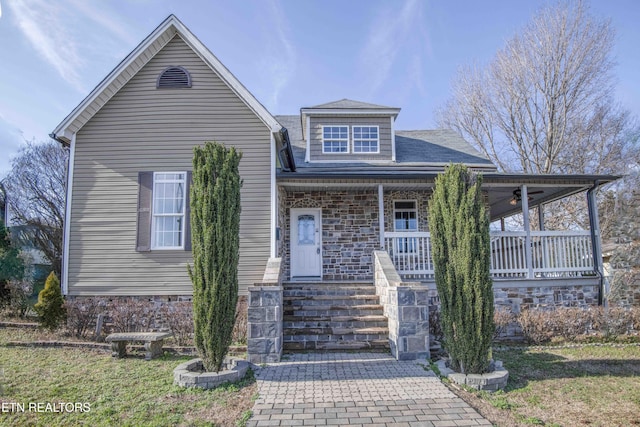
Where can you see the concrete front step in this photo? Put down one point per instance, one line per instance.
(335, 321)
(379, 345)
(334, 310)
(333, 316)
(310, 301)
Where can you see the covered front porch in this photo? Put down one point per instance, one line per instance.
(366, 213)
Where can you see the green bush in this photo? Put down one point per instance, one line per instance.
(459, 224)
(215, 228)
(50, 305)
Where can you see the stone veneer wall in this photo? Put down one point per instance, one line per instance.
(406, 307)
(265, 316)
(350, 230)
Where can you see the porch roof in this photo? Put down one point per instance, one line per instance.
(499, 186)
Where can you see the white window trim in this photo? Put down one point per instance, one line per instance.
(336, 139)
(405, 210)
(377, 140)
(153, 214)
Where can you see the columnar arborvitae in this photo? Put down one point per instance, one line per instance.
(50, 305)
(459, 226)
(215, 226)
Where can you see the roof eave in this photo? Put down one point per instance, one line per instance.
(63, 132)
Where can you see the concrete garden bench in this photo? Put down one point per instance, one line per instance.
(152, 342)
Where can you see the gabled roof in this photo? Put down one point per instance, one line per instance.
(142, 54)
(350, 104)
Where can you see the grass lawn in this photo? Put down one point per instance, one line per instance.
(586, 386)
(124, 392)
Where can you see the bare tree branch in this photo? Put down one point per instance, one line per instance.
(36, 190)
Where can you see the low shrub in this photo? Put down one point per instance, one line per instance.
(82, 314)
(571, 322)
(19, 293)
(179, 317)
(537, 325)
(503, 317)
(130, 315)
(611, 322)
(50, 305)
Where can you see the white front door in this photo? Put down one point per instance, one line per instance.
(306, 245)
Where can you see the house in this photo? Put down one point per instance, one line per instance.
(333, 199)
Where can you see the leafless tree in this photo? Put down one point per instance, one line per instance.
(36, 197)
(545, 102)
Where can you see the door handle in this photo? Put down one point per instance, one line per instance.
(318, 250)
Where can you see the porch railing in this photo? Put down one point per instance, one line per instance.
(554, 254)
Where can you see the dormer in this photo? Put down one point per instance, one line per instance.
(349, 131)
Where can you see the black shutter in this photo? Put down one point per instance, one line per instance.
(145, 199)
(187, 214)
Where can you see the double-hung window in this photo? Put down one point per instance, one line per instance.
(405, 217)
(335, 139)
(168, 210)
(365, 139)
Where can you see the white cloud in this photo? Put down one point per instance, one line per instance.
(105, 19)
(387, 37)
(43, 24)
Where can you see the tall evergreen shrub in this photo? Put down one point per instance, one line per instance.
(50, 305)
(215, 226)
(459, 225)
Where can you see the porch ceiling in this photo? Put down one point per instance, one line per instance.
(500, 187)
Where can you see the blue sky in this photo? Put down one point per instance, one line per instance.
(288, 53)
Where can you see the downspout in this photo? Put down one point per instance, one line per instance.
(594, 225)
(66, 236)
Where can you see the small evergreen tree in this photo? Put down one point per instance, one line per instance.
(215, 226)
(11, 265)
(50, 305)
(459, 226)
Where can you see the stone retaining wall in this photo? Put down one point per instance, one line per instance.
(406, 307)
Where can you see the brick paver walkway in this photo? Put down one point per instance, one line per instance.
(356, 389)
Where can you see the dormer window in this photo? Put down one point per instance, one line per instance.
(174, 78)
(365, 139)
(335, 139)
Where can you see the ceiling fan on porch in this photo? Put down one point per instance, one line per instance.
(517, 196)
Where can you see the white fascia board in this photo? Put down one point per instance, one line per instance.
(273, 202)
(114, 74)
(349, 112)
(172, 22)
(393, 140)
(226, 75)
(67, 218)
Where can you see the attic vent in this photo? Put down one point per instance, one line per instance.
(174, 77)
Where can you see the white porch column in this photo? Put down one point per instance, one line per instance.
(527, 228)
(381, 214)
(594, 226)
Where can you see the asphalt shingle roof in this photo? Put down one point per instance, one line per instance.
(414, 148)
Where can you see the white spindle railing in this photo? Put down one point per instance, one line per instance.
(554, 254)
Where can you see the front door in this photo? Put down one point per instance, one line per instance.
(306, 245)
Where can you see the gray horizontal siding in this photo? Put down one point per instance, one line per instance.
(142, 128)
(384, 129)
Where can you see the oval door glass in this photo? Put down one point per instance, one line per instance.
(306, 230)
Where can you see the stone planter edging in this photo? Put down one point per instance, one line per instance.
(186, 375)
(492, 381)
